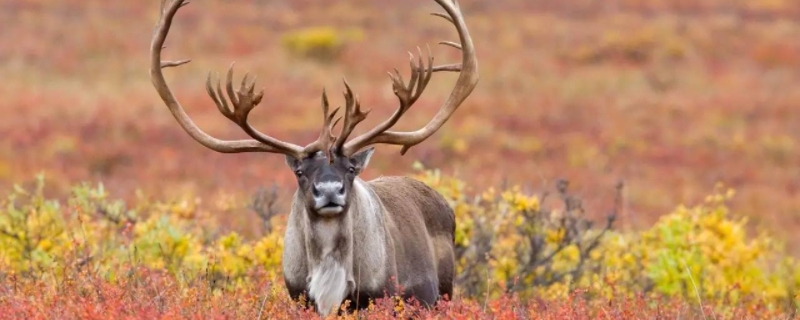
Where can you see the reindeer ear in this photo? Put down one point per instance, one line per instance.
(361, 159)
(292, 162)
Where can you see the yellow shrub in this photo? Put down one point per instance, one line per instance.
(533, 249)
(164, 242)
(42, 236)
(32, 232)
(702, 250)
(322, 43)
(516, 239)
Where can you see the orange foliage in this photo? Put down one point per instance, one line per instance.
(671, 96)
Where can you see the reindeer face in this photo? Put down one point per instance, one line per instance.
(325, 186)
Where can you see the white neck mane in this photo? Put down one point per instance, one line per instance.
(338, 270)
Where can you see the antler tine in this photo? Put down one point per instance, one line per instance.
(415, 71)
(352, 117)
(326, 138)
(408, 94)
(242, 102)
(451, 44)
(456, 67)
(171, 64)
(229, 85)
(442, 15)
(423, 82)
(219, 98)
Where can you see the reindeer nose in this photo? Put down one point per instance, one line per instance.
(328, 189)
(329, 197)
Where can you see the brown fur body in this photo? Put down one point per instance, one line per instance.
(397, 231)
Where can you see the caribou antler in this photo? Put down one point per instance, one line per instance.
(408, 93)
(242, 101)
(352, 117)
(326, 139)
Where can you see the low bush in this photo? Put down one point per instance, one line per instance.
(511, 241)
(319, 43)
(514, 249)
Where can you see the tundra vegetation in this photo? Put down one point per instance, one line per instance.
(519, 255)
(691, 105)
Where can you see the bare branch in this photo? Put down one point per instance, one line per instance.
(264, 205)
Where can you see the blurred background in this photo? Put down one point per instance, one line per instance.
(673, 97)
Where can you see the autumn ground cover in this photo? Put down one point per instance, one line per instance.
(672, 97)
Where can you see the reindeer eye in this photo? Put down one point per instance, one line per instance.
(299, 172)
(352, 169)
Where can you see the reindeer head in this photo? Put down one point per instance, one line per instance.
(325, 184)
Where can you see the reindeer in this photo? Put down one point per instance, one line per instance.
(347, 238)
